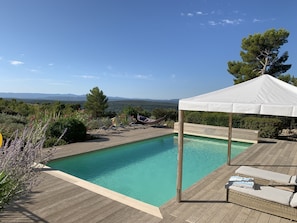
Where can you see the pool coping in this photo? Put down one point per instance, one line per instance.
(142, 206)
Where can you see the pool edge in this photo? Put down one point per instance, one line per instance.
(139, 205)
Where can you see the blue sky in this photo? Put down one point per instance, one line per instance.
(158, 49)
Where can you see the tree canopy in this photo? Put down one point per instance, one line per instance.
(260, 55)
(96, 103)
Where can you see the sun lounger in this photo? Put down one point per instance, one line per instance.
(266, 199)
(265, 177)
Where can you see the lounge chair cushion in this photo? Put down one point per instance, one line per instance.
(293, 180)
(267, 175)
(293, 202)
(268, 193)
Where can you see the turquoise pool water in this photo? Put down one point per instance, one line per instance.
(146, 170)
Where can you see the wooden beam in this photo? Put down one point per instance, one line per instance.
(229, 139)
(180, 155)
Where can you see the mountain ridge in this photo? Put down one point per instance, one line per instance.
(66, 97)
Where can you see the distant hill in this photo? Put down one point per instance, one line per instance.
(70, 97)
(50, 97)
(115, 103)
(40, 96)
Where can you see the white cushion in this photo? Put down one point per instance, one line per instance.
(293, 202)
(267, 193)
(293, 180)
(265, 174)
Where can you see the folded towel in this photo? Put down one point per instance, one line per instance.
(243, 184)
(238, 178)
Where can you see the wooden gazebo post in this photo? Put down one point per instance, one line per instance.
(180, 155)
(229, 139)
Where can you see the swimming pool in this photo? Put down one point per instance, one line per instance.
(146, 170)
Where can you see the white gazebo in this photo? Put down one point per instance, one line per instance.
(264, 95)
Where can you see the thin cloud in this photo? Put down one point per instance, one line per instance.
(224, 22)
(188, 14)
(212, 23)
(88, 77)
(143, 77)
(26, 79)
(34, 71)
(201, 13)
(125, 75)
(16, 62)
(210, 13)
(191, 14)
(232, 22)
(255, 20)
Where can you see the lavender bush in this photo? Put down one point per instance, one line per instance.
(19, 159)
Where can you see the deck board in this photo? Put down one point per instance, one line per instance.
(56, 200)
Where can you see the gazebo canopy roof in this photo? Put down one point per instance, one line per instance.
(263, 95)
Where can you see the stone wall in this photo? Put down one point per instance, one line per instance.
(241, 135)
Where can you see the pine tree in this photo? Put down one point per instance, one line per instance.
(260, 55)
(96, 103)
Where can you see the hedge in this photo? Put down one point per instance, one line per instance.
(268, 127)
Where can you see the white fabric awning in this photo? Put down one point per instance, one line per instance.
(263, 95)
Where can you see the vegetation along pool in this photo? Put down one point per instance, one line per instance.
(146, 170)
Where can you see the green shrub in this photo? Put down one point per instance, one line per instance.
(11, 123)
(104, 122)
(267, 127)
(75, 130)
(170, 114)
(82, 116)
(193, 117)
(93, 124)
(212, 118)
(7, 189)
(53, 141)
(169, 123)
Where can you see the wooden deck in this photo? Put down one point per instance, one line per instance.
(56, 200)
